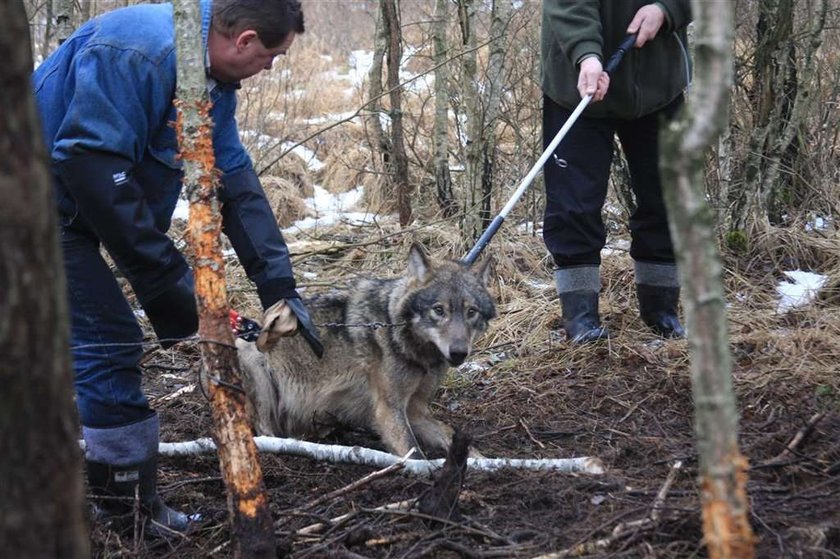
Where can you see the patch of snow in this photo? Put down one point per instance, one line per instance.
(799, 290)
(182, 210)
(818, 223)
(471, 368)
(539, 285)
(331, 209)
(308, 156)
(530, 228)
(618, 246)
(360, 63)
(330, 118)
(613, 209)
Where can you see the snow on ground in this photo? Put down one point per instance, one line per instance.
(799, 289)
(818, 223)
(308, 156)
(331, 209)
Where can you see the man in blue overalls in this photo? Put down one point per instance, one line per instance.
(106, 102)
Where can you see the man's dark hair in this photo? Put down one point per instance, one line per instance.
(273, 20)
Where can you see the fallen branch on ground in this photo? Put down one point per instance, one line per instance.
(320, 526)
(358, 455)
(625, 528)
(398, 465)
(798, 439)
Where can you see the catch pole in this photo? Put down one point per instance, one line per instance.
(494, 226)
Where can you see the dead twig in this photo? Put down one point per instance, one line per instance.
(530, 435)
(624, 529)
(357, 484)
(794, 443)
(320, 526)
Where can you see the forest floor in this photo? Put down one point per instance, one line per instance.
(627, 401)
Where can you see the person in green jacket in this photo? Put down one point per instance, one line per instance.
(646, 89)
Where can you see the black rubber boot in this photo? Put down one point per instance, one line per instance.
(118, 485)
(580, 317)
(658, 309)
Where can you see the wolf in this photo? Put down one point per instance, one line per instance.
(387, 345)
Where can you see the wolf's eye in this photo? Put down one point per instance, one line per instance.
(438, 310)
(471, 312)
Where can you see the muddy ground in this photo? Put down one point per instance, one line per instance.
(627, 402)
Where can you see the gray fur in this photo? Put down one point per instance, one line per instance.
(379, 378)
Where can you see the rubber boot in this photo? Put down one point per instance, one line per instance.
(580, 317)
(658, 309)
(122, 486)
(122, 471)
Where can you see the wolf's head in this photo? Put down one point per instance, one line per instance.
(447, 304)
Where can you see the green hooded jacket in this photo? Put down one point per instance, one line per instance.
(646, 80)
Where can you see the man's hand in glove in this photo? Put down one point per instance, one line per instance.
(279, 321)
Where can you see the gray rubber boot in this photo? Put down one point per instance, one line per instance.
(578, 289)
(658, 291)
(122, 472)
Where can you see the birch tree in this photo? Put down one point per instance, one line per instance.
(380, 143)
(63, 19)
(500, 19)
(783, 74)
(471, 227)
(440, 135)
(41, 494)
(723, 470)
(399, 163)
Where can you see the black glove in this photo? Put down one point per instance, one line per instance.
(305, 326)
(173, 313)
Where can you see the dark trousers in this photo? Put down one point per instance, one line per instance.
(576, 186)
(105, 337)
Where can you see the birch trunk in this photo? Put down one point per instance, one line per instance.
(63, 19)
(471, 227)
(41, 494)
(443, 178)
(781, 99)
(381, 144)
(723, 470)
(500, 19)
(44, 48)
(247, 503)
(391, 21)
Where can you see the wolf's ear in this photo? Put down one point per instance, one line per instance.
(418, 262)
(482, 270)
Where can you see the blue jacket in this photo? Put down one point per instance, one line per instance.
(107, 91)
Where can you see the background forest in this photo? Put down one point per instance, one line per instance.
(394, 122)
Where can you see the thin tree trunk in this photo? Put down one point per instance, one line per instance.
(391, 22)
(48, 30)
(783, 148)
(500, 19)
(780, 100)
(63, 19)
(41, 494)
(381, 143)
(471, 227)
(443, 178)
(723, 470)
(247, 502)
(85, 7)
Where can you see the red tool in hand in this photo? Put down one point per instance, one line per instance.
(245, 328)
